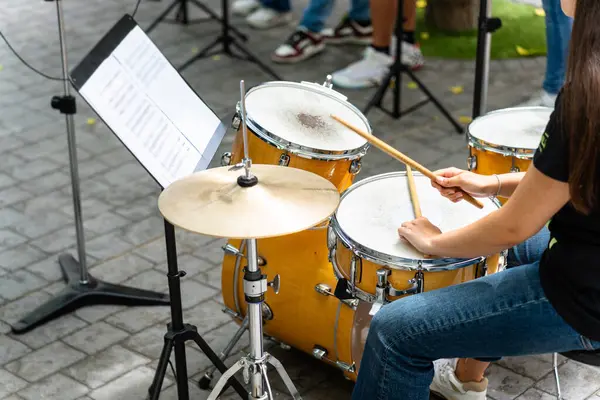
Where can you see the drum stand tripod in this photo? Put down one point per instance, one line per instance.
(254, 365)
(396, 71)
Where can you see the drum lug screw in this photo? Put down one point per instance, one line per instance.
(472, 162)
(323, 289)
(515, 169)
(284, 160)
(328, 84)
(355, 167)
(236, 122)
(226, 159)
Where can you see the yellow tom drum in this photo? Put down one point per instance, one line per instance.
(289, 124)
(374, 266)
(505, 140)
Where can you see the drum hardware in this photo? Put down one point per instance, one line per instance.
(325, 290)
(471, 162)
(321, 354)
(515, 169)
(355, 167)
(254, 365)
(230, 249)
(226, 159)
(384, 289)
(284, 160)
(236, 121)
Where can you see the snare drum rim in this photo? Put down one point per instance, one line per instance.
(299, 150)
(395, 262)
(520, 153)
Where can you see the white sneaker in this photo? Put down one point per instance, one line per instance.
(541, 99)
(365, 73)
(446, 384)
(266, 18)
(411, 54)
(244, 7)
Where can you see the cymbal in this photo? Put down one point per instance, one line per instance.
(284, 201)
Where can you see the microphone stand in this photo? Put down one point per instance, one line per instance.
(82, 289)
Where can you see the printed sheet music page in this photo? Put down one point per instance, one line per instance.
(149, 106)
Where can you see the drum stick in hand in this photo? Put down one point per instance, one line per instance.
(399, 156)
(414, 197)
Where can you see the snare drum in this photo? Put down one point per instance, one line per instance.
(290, 124)
(367, 253)
(505, 140)
(374, 267)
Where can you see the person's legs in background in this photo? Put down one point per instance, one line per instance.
(558, 35)
(377, 59)
(310, 37)
(264, 14)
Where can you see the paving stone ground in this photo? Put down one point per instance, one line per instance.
(110, 352)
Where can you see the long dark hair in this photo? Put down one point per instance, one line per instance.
(581, 106)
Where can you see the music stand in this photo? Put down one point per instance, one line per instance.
(82, 289)
(485, 27)
(158, 117)
(396, 71)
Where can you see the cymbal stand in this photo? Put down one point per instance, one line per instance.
(254, 365)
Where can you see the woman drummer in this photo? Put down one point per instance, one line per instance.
(548, 305)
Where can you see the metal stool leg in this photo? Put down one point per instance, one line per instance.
(555, 365)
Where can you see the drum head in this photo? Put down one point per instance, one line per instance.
(512, 128)
(372, 210)
(301, 115)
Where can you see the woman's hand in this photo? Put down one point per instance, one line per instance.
(420, 233)
(449, 179)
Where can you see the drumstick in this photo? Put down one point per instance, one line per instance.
(399, 156)
(413, 192)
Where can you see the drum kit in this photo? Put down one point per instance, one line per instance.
(286, 200)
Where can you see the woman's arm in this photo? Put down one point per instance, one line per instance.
(509, 183)
(536, 199)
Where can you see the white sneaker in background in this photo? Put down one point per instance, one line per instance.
(446, 384)
(266, 18)
(411, 54)
(541, 99)
(244, 7)
(365, 73)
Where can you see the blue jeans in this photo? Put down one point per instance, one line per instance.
(504, 314)
(558, 35)
(318, 11)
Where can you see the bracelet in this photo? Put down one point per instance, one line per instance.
(499, 185)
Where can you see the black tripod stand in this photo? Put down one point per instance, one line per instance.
(178, 333)
(485, 27)
(396, 71)
(182, 16)
(228, 42)
(82, 289)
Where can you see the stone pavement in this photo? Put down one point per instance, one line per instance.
(110, 352)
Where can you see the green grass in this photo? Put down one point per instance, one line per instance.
(520, 27)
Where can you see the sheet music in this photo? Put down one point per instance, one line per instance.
(151, 109)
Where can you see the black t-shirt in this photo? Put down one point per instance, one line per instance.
(570, 267)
